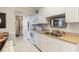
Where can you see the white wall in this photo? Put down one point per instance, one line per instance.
(10, 17)
(48, 11)
(74, 27)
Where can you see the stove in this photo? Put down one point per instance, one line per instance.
(55, 33)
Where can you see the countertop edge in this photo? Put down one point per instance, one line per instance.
(55, 37)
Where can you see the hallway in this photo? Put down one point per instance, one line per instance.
(23, 46)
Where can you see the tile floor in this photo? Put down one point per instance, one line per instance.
(20, 45)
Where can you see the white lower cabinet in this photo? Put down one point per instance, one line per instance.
(32, 37)
(68, 47)
(51, 44)
(37, 39)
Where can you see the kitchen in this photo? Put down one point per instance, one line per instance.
(55, 29)
(48, 29)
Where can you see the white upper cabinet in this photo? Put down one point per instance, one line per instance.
(34, 20)
(42, 20)
(72, 14)
(51, 11)
(39, 20)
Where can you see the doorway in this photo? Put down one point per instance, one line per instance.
(19, 25)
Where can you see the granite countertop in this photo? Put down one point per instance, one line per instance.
(8, 47)
(68, 37)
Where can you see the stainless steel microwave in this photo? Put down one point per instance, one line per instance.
(58, 22)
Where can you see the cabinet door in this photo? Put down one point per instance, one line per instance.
(32, 37)
(51, 11)
(59, 10)
(37, 39)
(68, 47)
(49, 44)
(72, 14)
